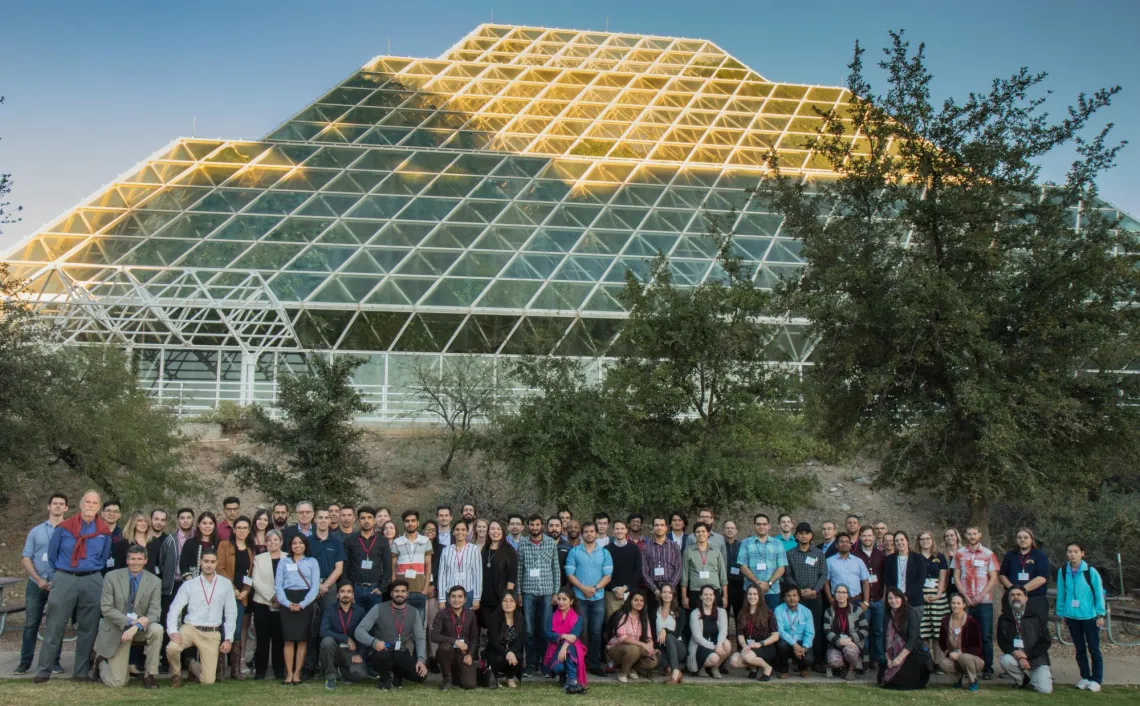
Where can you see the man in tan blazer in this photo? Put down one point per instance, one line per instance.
(132, 607)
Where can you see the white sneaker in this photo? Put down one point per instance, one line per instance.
(622, 678)
(1083, 684)
(1094, 686)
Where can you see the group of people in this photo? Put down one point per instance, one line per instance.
(343, 595)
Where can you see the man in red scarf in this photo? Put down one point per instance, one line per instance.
(78, 552)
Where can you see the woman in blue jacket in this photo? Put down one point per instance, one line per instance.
(1080, 601)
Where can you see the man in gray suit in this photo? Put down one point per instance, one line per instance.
(132, 607)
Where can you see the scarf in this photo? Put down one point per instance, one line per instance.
(74, 525)
(563, 625)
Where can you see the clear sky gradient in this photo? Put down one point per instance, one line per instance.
(92, 88)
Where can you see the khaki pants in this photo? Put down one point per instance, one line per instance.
(114, 673)
(966, 664)
(613, 604)
(207, 644)
(629, 657)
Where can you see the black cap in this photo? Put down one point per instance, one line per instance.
(803, 527)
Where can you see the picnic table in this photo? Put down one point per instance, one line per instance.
(1128, 619)
(5, 608)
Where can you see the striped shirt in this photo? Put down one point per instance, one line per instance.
(807, 569)
(413, 559)
(763, 559)
(661, 564)
(461, 569)
(539, 569)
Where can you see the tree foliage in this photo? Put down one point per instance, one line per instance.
(313, 452)
(692, 413)
(967, 328)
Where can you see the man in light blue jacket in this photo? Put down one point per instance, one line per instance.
(795, 624)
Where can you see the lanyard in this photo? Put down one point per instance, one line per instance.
(343, 625)
(704, 556)
(399, 625)
(458, 624)
(793, 623)
(213, 587)
(841, 616)
(459, 557)
(1022, 558)
(368, 549)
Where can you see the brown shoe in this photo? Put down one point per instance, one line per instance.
(94, 676)
(803, 674)
(149, 682)
(783, 675)
(40, 679)
(175, 681)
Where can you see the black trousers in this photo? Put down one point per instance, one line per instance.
(785, 655)
(395, 665)
(818, 645)
(736, 597)
(269, 642)
(498, 664)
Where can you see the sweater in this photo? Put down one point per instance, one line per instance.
(627, 566)
(379, 625)
(969, 642)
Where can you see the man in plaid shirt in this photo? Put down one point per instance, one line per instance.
(538, 580)
(763, 560)
(660, 564)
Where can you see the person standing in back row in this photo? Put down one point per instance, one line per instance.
(36, 563)
(875, 561)
(626, 578)
(808, 571)
(538, 578)
(1028, 567)
(763, 560)
(1080, 602)
(589, 569)
(975, 574)
(368, 560)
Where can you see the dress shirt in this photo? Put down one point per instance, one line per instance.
(539, 568)
(208, 604)
(334, 622)
(974, 569)
(461, 568)
(763, 558)
(514, 542)
(63, 543)
(180, 537)
(807, 569)
(36, 549)
(359, 549)
(710, 562)
(795, 627)
(876, 563)
(661, 564)
(443, 536)
(589, 568)
(850, 572)
(297, 576)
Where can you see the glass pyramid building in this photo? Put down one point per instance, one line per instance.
(486, 202)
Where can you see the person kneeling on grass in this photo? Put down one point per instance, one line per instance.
(797, 633)
(708, 630)
(1024, 639)
(565, 653)
(757, 634)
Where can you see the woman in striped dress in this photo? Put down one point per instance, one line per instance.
(935, 599)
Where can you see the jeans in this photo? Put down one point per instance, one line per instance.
(365, 598)
(536, 610)
(417, 601)
(984, 614)
(36, 600)
(1086, 635)
(773, 600)
(875, 636)
(570, 667)
(595, 614)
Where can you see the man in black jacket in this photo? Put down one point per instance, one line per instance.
(1024, 640)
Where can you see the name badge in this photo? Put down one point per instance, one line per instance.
(290, 567)
(247, 580)
(110, 563)
(659, 571)
(1018, 643)
(872, 579)
(735, 571)
(397, 645)
(132, 617)
(931, 583)
(957, 631)
(979, 562)
(810, 561)
(1075, 603)
(703, 574)
(158, 571)
(44, 557)
(410, 574)
(366, 564)
(1023, 576)
(534, 573)
(762, 566)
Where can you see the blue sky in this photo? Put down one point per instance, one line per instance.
(94, 87)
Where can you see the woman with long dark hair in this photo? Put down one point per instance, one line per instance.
(258, 529)
(905, 669)
(500, 570)
(757, 635)
(235, 562)
(431, 531)
(206, 536)
(631, 647)
(845, 632)
(296, 585)
(668, 624)
(960, 639)
(506, 640)
(565, 653)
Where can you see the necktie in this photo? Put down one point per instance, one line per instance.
(131, 596)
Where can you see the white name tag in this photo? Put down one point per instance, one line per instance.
(366, 564)
(931, 583)
(957, 631)
(534, 573)
(703, 574)
(290, 567)
(397, 645)
(132, 617)
(1018, 643)
(762, 566)
(410, 574)
(1023, 576)
(659, 571)
(979, 562)
(247, 580)
(45, 557)
(1075, 604)
(810, 561)
(872, 579)
(110, 563)
(735, 571)
(158, 571)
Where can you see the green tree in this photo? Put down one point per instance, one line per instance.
(692, 413)
(967, 329)
(313, 452)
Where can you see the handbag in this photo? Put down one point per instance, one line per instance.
(485, 676)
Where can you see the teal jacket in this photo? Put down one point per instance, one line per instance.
(1090, 600)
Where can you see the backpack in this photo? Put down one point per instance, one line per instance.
(1088, 579)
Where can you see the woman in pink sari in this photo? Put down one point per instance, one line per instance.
(565, 653)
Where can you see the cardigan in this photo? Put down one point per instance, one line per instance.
(969, 642)
(697, 637)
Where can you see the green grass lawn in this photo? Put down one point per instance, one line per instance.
(59, 691)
